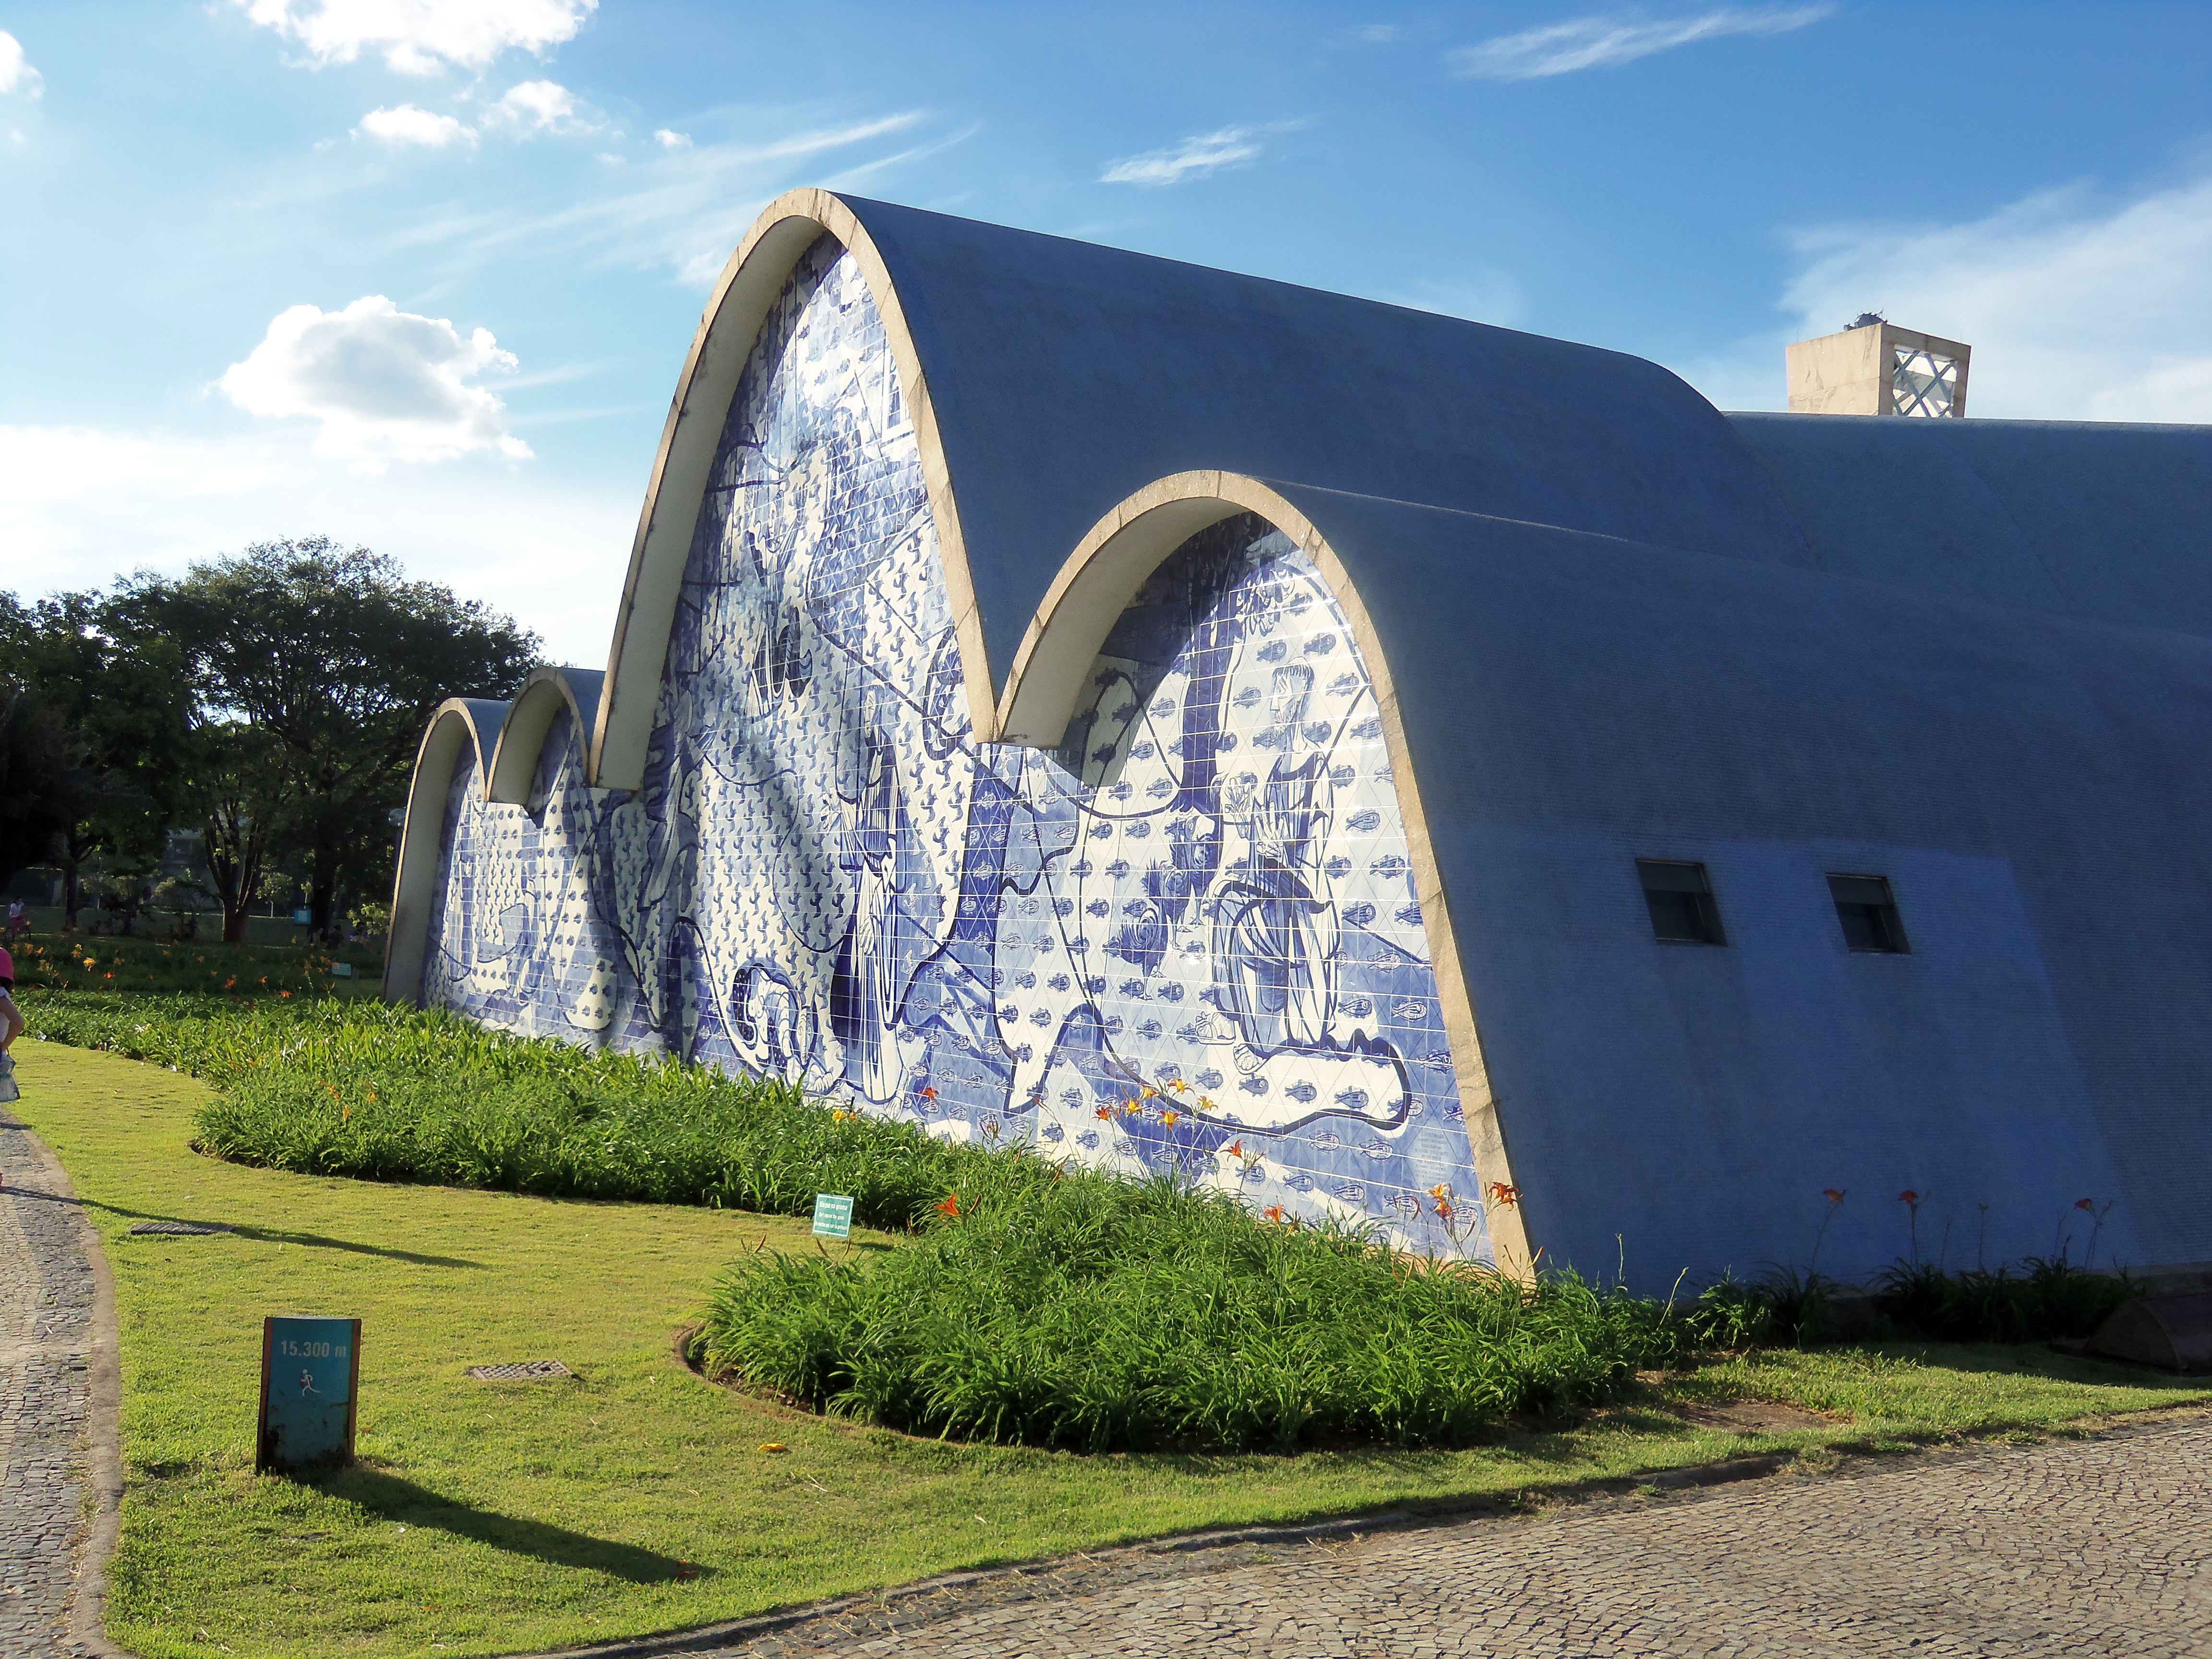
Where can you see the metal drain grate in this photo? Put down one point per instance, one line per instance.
(187, 1229)
(529, 1371)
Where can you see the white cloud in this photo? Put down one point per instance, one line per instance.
(421, 37)
(668, 140)
(407, 124)
(1378, 34)
(1607, 42)
(85, 503)
(385, 384)
(2078, 308)
(16, 74)
(1195, 157)
(687, 211)
(536, 107)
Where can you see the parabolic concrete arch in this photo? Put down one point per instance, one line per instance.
(473, 723)
(1094, 589)
(545, 696)
(748, 287)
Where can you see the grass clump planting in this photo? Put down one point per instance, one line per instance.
(376, 1092)
(1054, 1308)
(2039, 1300)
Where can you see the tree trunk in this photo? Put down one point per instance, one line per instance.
(234, 863)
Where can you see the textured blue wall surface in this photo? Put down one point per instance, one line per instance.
(2033, 786)
(2102, 521)
(1188, 941)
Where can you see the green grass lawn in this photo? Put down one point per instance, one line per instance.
(503, 1517)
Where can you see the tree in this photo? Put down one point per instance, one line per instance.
(238, 787)
(119, 710)
(314, 670)
(39, 780)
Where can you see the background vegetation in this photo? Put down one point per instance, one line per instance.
(272, 700)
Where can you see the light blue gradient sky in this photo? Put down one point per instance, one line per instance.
(1710, 182)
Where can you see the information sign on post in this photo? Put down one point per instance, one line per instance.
(310, 1378)
(833, 1216)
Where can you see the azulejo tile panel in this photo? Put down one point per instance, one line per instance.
(1186, 940)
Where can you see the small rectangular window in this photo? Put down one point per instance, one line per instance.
(1868, 910)
(1680, 900)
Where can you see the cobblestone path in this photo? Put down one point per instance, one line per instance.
(46, 1346)
(2099, 1547)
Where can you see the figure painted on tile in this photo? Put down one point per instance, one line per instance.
(1274, 940)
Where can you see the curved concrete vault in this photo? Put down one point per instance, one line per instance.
(1595, 620)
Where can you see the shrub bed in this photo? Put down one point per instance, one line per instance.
(145, 967)
(1097, 1315)
(1040, 1304)
(381, 1093)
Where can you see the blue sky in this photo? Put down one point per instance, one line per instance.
(422, 275)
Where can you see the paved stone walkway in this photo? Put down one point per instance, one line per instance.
(47, 1291)
(2099, 1547)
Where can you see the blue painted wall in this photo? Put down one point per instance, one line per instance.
(2033, 787)
(1970, 657)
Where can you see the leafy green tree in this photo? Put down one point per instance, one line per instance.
(314, 670)
(40, 780)
(118, 709)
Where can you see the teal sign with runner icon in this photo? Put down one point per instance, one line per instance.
(310, 1386)
(833, 1216)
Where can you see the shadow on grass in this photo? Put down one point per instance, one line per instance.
(409, 1504)
(283, 1235)
(319, 1242)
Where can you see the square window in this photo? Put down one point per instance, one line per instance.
(1680, 900)
(1868, 910)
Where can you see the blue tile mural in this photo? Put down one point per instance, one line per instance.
(1187, 940)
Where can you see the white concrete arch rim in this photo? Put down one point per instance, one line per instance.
(415, 879)
(522, 735)
(743, 297)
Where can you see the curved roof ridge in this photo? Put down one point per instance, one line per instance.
(1050, 379)
(543, 694)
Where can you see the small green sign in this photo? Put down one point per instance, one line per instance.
(833, 1216)
(310, 1385)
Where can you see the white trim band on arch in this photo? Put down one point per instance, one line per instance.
(475, 720)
